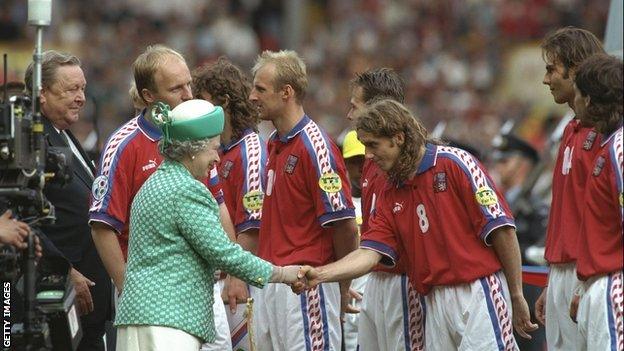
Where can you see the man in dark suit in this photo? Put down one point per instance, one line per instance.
(62, 98)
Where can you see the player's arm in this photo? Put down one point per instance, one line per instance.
(345, 241)
(107, 245)
(355, 264)
(505, 244)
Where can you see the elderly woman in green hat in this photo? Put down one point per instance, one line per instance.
(177, 242)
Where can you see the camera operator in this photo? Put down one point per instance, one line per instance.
(62, 98)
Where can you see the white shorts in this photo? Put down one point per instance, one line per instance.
(473, 316)
(391, 310)
(351, 320)
(561, 331)
(283, 321)
(600, 314)
(223, 340)
(154, 338)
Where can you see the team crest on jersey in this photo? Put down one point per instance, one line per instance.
(439, 182)
(589, 141)
(225, 170)
(291, 163)
(253, 200)
(330, 182)
(486, 196)
(100, 187)
(600, 163)
(397, 208)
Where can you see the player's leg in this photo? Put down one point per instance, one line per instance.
(402, 325)
(485, 321)
(600, 315)
(413, 313)
(259, 324)
(223, 339)
(368, 339)
(311, 320)
(351, 320)
(441, 302)
(561, 331)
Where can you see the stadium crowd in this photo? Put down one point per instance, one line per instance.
(453, 55)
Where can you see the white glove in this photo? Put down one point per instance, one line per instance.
(286, 274)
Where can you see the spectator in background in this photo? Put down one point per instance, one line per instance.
(514, 160)
(563, 51)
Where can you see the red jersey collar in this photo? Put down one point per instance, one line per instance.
(428, 161)
(148, 128)
(293, 132)
(231, 144)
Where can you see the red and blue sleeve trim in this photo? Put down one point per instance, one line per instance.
(389, 256)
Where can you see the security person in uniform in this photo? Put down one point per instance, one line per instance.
(513, 161)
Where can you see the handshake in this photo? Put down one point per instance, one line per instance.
(300, 278)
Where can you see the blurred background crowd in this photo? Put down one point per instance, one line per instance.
(473, 68)
(454, 55)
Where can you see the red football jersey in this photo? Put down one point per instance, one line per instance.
(373, 183)
(307, 189)
(442, 217)
(600, 240)
(577, 152)
(242, 173)
(130, 156)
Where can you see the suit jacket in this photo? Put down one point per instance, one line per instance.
(71, 233)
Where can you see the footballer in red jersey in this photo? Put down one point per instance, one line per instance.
(390, 298)
(457, 231)
(307, 211)
(600, 261)
(563, 51)
(131, 156)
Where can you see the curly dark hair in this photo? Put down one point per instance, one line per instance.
(229, 88)
(387, 118)
(600, 78)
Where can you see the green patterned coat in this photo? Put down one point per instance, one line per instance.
(176, 244)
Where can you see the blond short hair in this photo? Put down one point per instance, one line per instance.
(146, 65)
(289, 70)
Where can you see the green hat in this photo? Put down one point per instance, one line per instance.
(190, 120)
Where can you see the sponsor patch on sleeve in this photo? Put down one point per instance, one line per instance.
(253, 200)
(100, 187)
(330, 182)
(485, 196)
